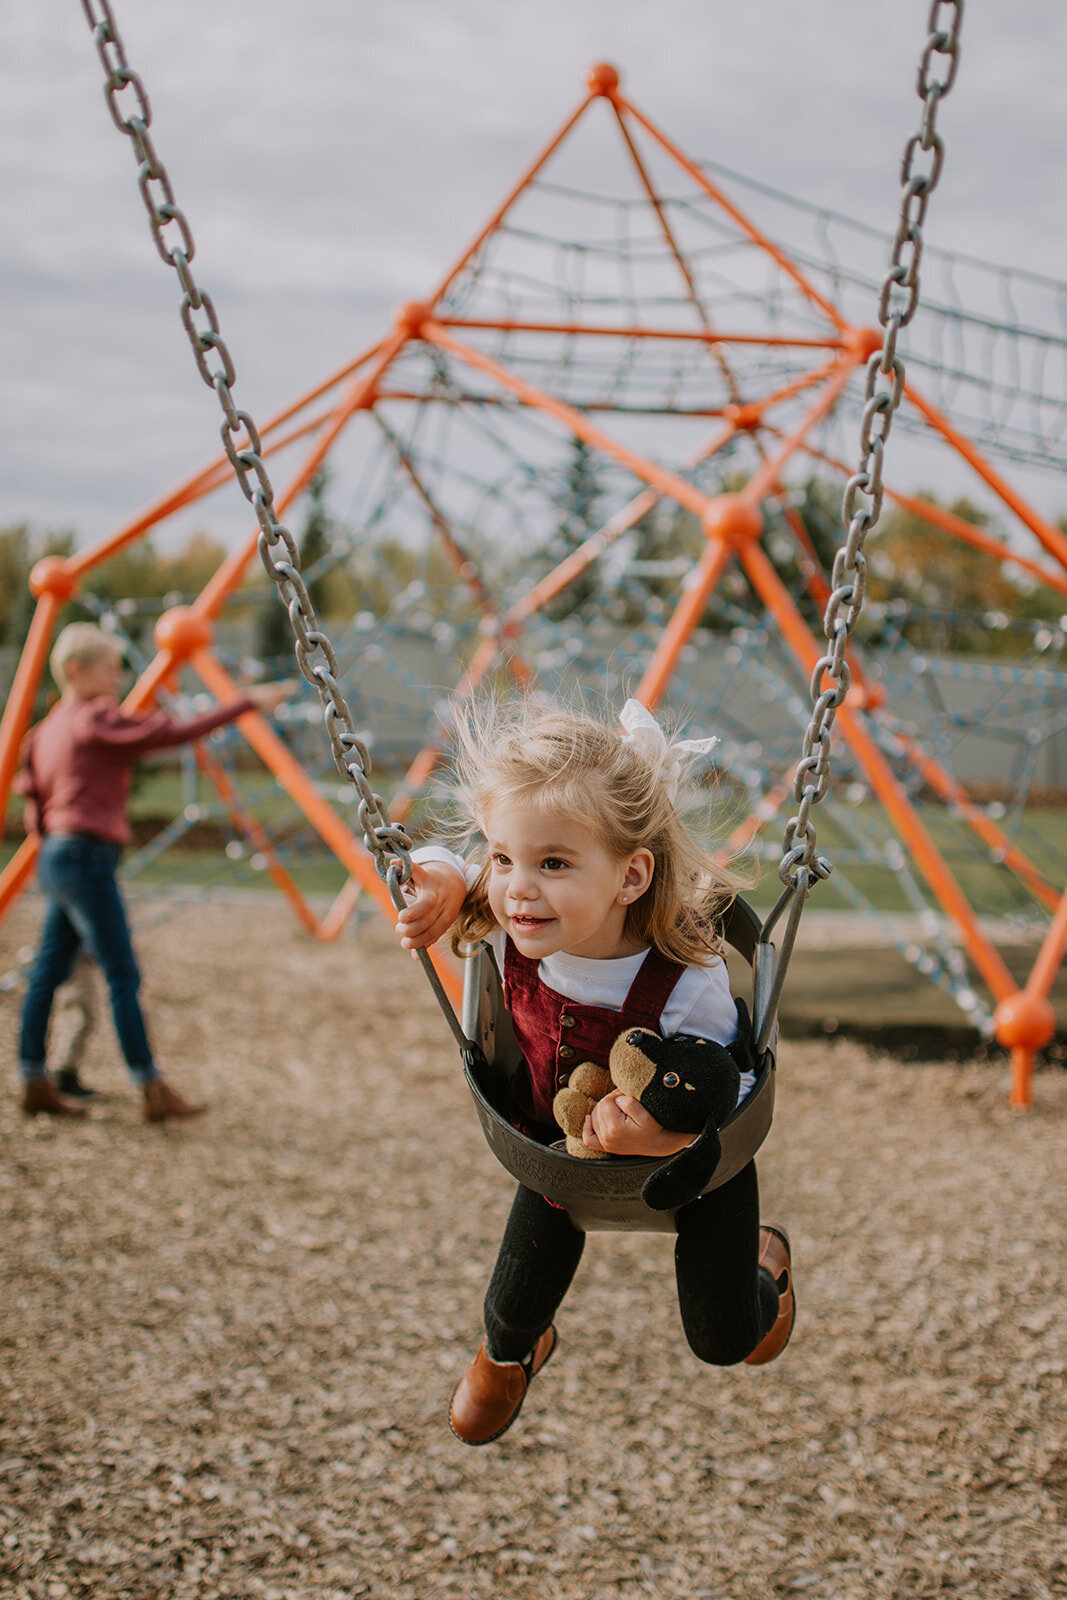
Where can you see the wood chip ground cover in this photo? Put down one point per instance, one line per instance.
(228, 1347)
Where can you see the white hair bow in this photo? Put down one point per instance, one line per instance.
(646, 733)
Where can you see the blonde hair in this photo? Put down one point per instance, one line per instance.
(570, 762)
(82, 642)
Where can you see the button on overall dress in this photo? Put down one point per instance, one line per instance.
(727, 1301)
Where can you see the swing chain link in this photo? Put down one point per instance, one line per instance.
(800, 868)
(388, 843)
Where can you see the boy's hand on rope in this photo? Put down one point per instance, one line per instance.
(619, 1125)
(437, 892)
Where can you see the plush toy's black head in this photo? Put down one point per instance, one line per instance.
(684, 1083)
(689, 1086)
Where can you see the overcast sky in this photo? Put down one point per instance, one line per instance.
(334, 156)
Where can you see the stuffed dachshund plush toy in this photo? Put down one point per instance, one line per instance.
(688, 1085)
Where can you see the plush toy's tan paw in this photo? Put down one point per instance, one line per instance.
(575, 1147)
(571, 1106)
(587, 1084)
(570, 1109)
(589, 1079)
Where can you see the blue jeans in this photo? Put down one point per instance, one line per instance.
(77, 874)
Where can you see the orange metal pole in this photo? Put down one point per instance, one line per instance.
(881, 777)
(292, 777)
(20, 701)
(687, 615)
(967, 533)
(332, 925)
(777, 397)
(611, 331)
(986, 829)
(929, 769)
(1053, 540)
(733, 412)
(742, 221)
(295, 781)
(251, 830)
(16, 875)
(1036, 1007)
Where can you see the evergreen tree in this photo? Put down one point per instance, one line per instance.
(579, 519)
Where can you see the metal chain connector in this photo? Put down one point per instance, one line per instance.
(800, 868)
(316, 657)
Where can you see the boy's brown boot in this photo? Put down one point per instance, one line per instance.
(40, 1096)
(491, 1393)
(774, 1255)
(164, 1104)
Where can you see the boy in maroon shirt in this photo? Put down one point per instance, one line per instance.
(76, 776)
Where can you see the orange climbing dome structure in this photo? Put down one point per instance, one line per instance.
(752, 377)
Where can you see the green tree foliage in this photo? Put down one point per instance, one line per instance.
(579, 517)
(961, 598)
(377, 572)
(667, 542)
(21, 547)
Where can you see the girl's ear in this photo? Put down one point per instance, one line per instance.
(637, 877)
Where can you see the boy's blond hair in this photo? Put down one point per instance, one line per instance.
(82, 642)
(571, 762)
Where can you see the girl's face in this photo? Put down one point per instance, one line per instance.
(554, 886)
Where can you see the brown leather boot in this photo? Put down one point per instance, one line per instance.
(491, 1393)
(774, 1254)
(164, 1104)
(40, 1095)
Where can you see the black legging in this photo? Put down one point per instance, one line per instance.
(727, 1301)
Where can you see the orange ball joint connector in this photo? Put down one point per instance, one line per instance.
(411, 316)
(603, 79)
(865, 341)
(732, 520)
(1025, 1023)
(51, 576)
(182, 632)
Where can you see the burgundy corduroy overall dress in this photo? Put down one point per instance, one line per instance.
(555, 1033)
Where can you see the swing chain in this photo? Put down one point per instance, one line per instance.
(800, 868)
(315, 654)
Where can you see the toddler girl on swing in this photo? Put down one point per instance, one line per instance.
(601, 912)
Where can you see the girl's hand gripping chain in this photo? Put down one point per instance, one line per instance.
(437, 892)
